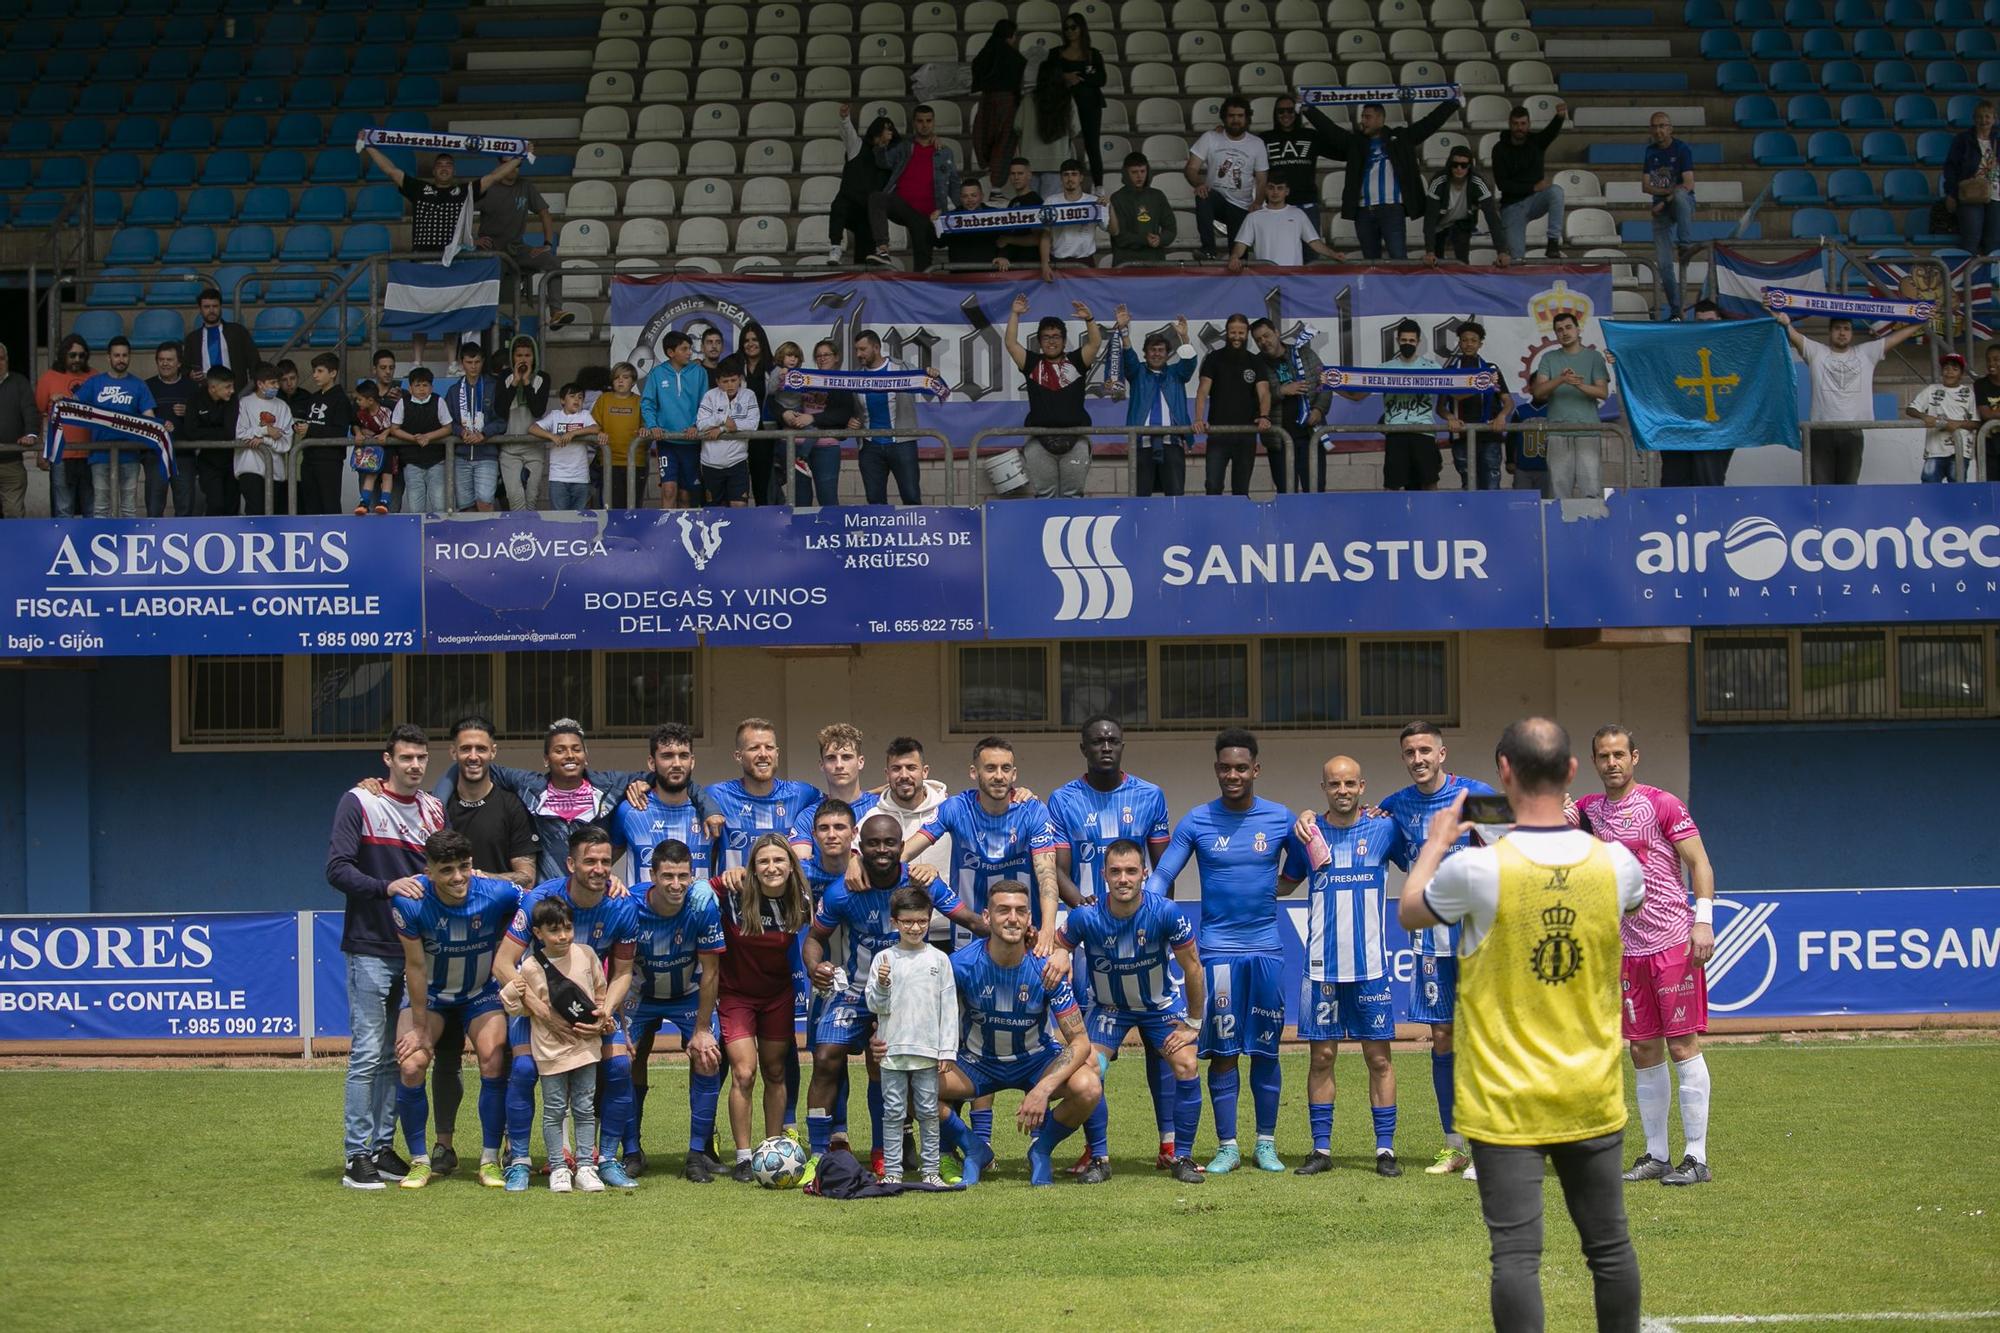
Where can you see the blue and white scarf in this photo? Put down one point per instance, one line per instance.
(1337, 95)
(1874, 309)
(1359, 379)
(1299, 341)
(440, 141)
(1084, 212)
(869, 381)
(104, 421)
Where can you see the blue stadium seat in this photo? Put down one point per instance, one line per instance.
(1843, 76)
(150, 328)
(427, 58)
(169, 66)
(81, 36)
(308, 244)
(239, 289)
(182, 32)
(98, 327)
(266, 203)
(226, 166)
(193, 133)
(101, 101)
(1775, 148)
(1955, 14)
(297, 130)
(378, 61)
(1947, 76)
(1907, 185)
(435, 27)
(1875, 44)
(148, 8)
(1773, 44)
(1855, 14)
(1825, 44)
(1793, 76)
(326, 330)
(1975, 44)
(211, 203)
(282, 166)
(65, 67)
(243, 130)
(49, 99)
(205, 99)
(14, 173)
(363, 241)
(419, 90)
(1917, 229)
(274, 62)
(377, 203)
(29, 136)
(1958, 111)
(1809, 111)
(311, 92)
(260, 95)
(177, 290)
(171, 170)
(132, 35)
(1885, 148)
(1811, 223)
(1914, 111)
(322, 203)
(1905, 14)
(107, 208)
(220, 64)
(1863, 111)
(341, 30)
(1806, 14)
(347, 126)
(1873, 226)
(117, 171)
(1758, 112)
(133, 245)
(1926, 44)
(1793, 189)
(293, 290)
(32, 35)
(332, 62)
(386, 29)
(156, 101)
(41, 208)
(409, 120)
(1723, 44)
(154, 208)
(1852, 186)
(1896, 76)
(1756, 14)
(249, 244)
(1738, 76)
(190, 245)
(287, 28)
(365, 93)
(1933, 146)
(275, 326)
(115, 287)
(59, 173)
(336, 166)
(1831, 148)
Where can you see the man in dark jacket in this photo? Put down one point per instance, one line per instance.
(1521, 173)
(1384, 183)
(216, 341)
(1294, 150)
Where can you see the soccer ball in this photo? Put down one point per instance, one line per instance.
(778, 1163)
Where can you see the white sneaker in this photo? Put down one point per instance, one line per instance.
(559, 1179)
(834, 254)
(934, 1180)
(587, 1180)
(1472, 1173)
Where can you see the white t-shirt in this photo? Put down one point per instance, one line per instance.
(1843, 383)
(1957, 404)
(1079, 242)
(1466, 889)
(268, 421)
(1233, 164)
(1277, 235)
(568, 462)
(738, 413)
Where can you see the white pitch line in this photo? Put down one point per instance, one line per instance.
(1672, 1322)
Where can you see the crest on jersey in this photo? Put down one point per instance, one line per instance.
(1257, 843)
(1558, 956)
(1128, 814)
(1024, 992)
(1361, 847)
(1142, 937)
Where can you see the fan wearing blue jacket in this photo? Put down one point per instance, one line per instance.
(1156, 395)
(667, 409)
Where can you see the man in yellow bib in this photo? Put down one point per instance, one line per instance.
(1538, 1036)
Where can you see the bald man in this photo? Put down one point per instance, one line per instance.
(1346, 988)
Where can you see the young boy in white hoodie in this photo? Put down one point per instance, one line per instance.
(727, 408)
(264, 418)
(911, 990)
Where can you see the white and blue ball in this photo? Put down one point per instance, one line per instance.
(778, 1163)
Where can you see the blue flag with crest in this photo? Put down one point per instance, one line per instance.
(1719, 384)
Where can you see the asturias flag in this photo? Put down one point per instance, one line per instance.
(1715, 384)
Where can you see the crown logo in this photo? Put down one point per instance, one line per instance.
(1559, 300)
(1558, 918)
(1558, 957)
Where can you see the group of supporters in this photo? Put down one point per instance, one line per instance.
(962, 944)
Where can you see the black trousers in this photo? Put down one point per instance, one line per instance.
(1510, 1197)
(319, 481)
(1165, 475)
(1695, 467)
(1836, 457)
(1231, 456)
(264, 496)
(213, 470)
(850, 214)
(1090, 120)
(884, 208)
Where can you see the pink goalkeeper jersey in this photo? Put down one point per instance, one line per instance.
(1649, 822)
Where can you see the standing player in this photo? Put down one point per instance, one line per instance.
(675, 972)
(1667, 945)
(1345, 995)
(840, 762)
(1132, 938)
(1006, 1004)
(449, 936)
(996, 837)
(1434, 986)
(666, 808)
(610, 927)
(1238, 843)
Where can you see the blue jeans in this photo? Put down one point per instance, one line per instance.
(69, 488)
(881, 458)
(421, 489)
(1515, 217)
(476, 480)
(1940, 469)
(570, 496)
(1491, 450)
(1673, 223)
(374, 994)
(1979, 227)
(823, 486)
(1380, 226)
(180, 486)
(129, 501)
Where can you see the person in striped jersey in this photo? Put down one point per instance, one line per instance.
(1345, 992)
(449, 938)
(1131, 939)
(675, 978)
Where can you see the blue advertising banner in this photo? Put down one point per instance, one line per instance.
(1400, 957)
(228, 585)
(1790, 555)
(645, 579)
(200, 975)
(1223, 565)
(329, 977)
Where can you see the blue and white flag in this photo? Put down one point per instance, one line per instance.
(1376, 379)
(1874, 309)
(1721, 384)
(432, 299)
(869, 381)
(1334, 95)
(1740, 281)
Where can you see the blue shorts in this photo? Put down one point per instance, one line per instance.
(1346, 1011)
(1246, 1004)
(990, 1076)
(1108, 1026)
(680, 464)
(487, 1001)
(842, 1020)
(648, 1019)
(1433, 989)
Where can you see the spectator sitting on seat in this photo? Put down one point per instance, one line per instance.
(211, 418)
(1083, 75)
(571, 432)
(1277, 233)
(520, 400)
(618, 413)
(1294, 150)
(1156, 395)
(503, 221)
(923, 180)
(1072, 246)
(997, 74)
(1971, 174)
(216, 341)
(1843, 389)
(1384, 185)
(172, 392)
(1142, 220)
(473, 399)
(727, 410)
(1227, 167)
(327, 413)
(1668, 176)
(69, 479)
(1452, 207)
(1938, 406)
(264, 425)
(18, 425)
(1057, 380)
(1521, 175)
(971, 249)
(859, 180)
(117, 390)
(1045, 129)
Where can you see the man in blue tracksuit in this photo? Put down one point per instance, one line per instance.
(1156, 395)
(666, 410)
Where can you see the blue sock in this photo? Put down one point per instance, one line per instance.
(819, 1130)
(1097, 1130)
(413, 1108)
(792, 1085)
(614, 1115)
(875, 1113)
(839, 1117)
(1385, 1126)
(1266, 1081)
(704, 1090)
(1222, 1090)
(1320, 1114)
(492, 1111)
(639, 1091)
(1052, 1132)
(1441, 1067)
(1187, 1114)
(952, 1132)
(1160, 1080)
(982, 1125)
(521, 1106)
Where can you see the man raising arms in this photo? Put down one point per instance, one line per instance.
(675, 978)
(1667, 944)
(1238, 842)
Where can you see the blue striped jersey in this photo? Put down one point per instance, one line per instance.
(608, 925)
(988, 848)
(643, 830)
(1131, 958)
(1005, 1013)
(1239, 854)
(1412, 811)
(746, 817)
(802, 826)
(1378, 175)
(1344, 919)
(666, 964)
(459, 941)
(1091, 820)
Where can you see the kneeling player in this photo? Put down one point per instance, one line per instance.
(679, 924)
(1130, 937)
(460, 922)
(1005, 1008)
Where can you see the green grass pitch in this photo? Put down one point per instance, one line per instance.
(1851, 1178)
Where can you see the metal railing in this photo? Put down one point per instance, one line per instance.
(1538, 430)
(786, 463)
(1807, 428)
